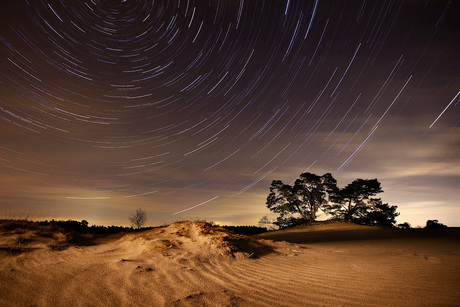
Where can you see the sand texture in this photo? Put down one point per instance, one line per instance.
(196, 264)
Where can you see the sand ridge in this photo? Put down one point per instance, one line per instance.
(197, 264)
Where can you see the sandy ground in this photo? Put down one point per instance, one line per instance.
(194, 264)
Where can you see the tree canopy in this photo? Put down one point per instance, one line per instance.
(434, 224)
(301, 201)
(354, 200)
(305, 197)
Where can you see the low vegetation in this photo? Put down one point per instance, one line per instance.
(18, 236)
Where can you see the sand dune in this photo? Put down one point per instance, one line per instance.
(196, 264)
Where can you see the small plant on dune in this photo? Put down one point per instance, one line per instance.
(138, 219)
(21, 240)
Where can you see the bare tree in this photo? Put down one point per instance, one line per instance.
(138, 219)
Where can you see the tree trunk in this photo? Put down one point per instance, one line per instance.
(349, 213)
(313, 211)
(300, 211)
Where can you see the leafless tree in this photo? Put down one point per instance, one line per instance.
(138, 219)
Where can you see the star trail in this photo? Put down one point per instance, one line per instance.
(189, 109)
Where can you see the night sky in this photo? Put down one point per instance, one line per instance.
(189, 109)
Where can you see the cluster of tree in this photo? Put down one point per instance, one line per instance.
(300, 202)
(430, 224)
(434, 224)
(83, 227)
(68, 225)
(246, 230)
(405, 225)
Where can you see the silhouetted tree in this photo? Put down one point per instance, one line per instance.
(377, 214)
(309, 194)
(434, 224)
(266, 222)
(284, 200)
(245, 230)
(404, 225)
(138, 219)
(353, 201)
(315, 190)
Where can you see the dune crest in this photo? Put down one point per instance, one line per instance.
(196, 240)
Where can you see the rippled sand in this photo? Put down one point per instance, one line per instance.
(196, 264)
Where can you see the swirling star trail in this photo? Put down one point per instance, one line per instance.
(109, 105)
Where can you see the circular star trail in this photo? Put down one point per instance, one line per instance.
(195, 106)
